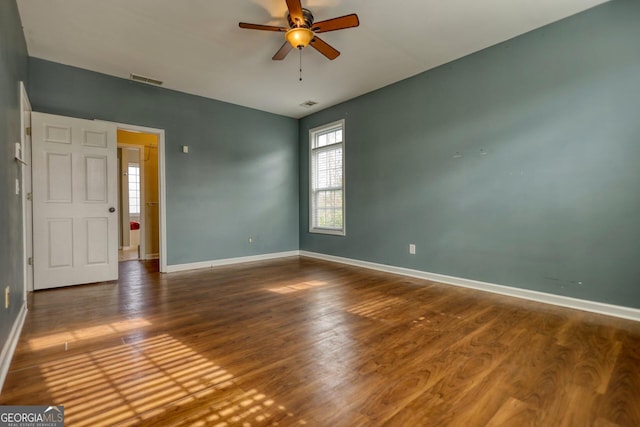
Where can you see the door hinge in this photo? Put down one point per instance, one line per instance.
(29, 196)
(28, 131)
(30, 260)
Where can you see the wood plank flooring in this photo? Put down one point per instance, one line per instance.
(299, 341)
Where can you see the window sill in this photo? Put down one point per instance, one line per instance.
(327, 231)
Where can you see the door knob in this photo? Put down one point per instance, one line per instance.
(112, 209)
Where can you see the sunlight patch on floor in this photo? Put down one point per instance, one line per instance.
(374, 308)
(99, 331)
(298, 287)
(148, 380)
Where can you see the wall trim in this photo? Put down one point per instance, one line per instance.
(229, 261)
(10, 344)
(543, 297)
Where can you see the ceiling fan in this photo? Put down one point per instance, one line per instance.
(302, 30)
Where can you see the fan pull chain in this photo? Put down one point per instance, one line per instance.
(300, 49)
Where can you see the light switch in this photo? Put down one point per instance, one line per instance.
(185, 149)
(17, 186)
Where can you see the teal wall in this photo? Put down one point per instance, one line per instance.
(553, 203)
(556, 199)
(13, 69)
(239, 179)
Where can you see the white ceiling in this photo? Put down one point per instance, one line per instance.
(196, 46)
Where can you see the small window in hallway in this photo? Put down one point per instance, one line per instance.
(134, 188)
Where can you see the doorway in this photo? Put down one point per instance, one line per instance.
(75, 247)
(139, 201)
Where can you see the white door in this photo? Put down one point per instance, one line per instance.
(75, 224)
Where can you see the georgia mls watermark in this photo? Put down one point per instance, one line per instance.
(31, 416)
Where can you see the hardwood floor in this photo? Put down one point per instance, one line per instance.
(305, 342)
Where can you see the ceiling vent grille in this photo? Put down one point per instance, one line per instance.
(308, 104)
(144, 79)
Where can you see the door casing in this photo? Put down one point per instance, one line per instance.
(161, 187)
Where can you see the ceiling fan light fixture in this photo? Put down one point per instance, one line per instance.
(303, 29)
(299, 37)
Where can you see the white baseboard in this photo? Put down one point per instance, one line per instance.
(10, 346)
(559, 300)
(229, 261)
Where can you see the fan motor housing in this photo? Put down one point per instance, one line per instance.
(307, 16)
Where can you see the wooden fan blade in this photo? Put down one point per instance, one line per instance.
(282, 52)
(347, 21)
(262, 27)
(295, 11)
(324, 48)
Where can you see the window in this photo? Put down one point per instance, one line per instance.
(326, 204)
(133, 173)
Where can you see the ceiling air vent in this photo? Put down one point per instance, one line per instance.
(144, 79)
(308, 104)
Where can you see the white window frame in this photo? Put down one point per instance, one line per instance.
(137, 190)
(312, 137)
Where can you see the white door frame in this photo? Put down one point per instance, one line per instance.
(25, 179)
(161, 187)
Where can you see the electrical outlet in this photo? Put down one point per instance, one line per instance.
(7, 290)
(412, 249)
